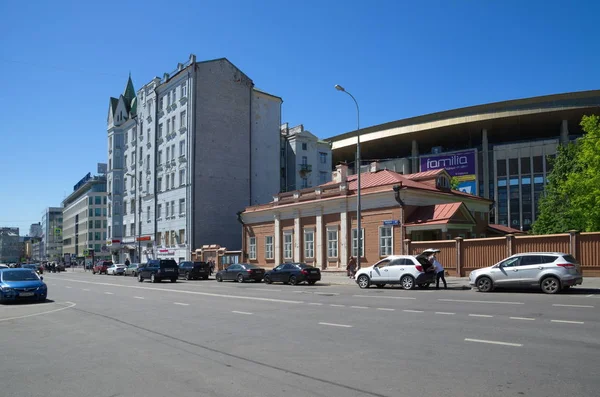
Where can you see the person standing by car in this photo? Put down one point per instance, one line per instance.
(127, 263)
(351, 268)
(439, 272)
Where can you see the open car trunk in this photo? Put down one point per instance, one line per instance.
(428, 269)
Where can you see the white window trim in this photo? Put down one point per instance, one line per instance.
(268, 248)
(252, 248)
(291, 244)
(337, 241)
(391, 237)
(354, 250)
(306, 249)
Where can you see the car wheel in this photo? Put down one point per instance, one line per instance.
(153, 278)
(484, 284)
(219, 278)
(268, 280)
(240, 278)
(363, 281)
(408, 282)
(293, 280)
(93, 272)
(380, 285)
(312, 282)
(550, 285)
(424, 285)
(140, 278)
(187, 276)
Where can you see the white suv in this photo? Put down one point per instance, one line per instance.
(406, 270)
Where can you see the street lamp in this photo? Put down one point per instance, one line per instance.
(135, 220)
(358, 228)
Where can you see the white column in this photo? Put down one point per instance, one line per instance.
(277, 238)
(297, 232)
(319, 257)
(564, 132)
(486, 163)
(415, 157)
(343, 238)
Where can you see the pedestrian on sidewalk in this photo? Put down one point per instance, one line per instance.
(351, 268)
(127, 263)
(439, 272)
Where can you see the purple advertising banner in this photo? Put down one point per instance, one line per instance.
(456, 163)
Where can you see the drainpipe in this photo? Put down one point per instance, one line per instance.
(397, 189)
(241, 221)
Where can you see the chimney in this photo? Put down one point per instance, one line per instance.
(340, 175)
(374, 166)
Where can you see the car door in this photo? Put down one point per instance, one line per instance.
(397, 268)
(532, 266)
(504, 274)
(231, 271)
(379, 273)
(276, 273)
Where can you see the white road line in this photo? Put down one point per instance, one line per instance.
(383, 297)
(66, 286)
(326, 293)
(235, 311)
(333, 305)
(567, 322)
(266, 289)
(560, 305)
(413, 311)
(139, 297)
(469, 301)
(493, 342)
(181, 304)
(480, 315)
(589, 296)
(316, 304)
(522, 318)
(243, 297)
(85, 289)
(359, 307)
(386, 309)
(446, 313)
(109, 293)
(337, 325)
(39, 314)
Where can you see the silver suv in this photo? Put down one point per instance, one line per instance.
(550, 271)
(407, 270)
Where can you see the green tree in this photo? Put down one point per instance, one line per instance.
(454, 183)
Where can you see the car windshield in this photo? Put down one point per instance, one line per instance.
(250, 266)
(302, 265)
(19, 276)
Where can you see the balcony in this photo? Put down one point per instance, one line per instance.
(160, 140)
(304, 168)
(183, 99)
(182, 129)
(182, 159)
(149, 118)
(149, 145)
(159, 167)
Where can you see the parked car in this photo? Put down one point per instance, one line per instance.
(101, 267)
(18, 284)
(159, 269)
(241, 272)
(194, 270)
(132, 269)
(33, 267)
(549, 271)
(3, 266)
(293, 273)
(406, 270)
(116, 269)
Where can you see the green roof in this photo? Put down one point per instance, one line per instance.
(129, 93)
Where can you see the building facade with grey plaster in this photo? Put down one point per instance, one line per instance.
(10, 247)
(51, 244)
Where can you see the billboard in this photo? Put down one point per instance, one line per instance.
(462, 165)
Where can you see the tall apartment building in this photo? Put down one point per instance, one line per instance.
(185, 155)
(50, 246)
(35, 230)
(85, 218)
(10, 248)
(305, 159)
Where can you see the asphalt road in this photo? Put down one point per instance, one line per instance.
(112, 336)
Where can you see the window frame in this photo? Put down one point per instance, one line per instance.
(330, 247)
(288, 247)
(386, 250)
(252, 248)
(269, 247)
(355, 242)
(309, 246)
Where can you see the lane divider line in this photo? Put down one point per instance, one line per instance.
(471, 301)
(384, 297)
(337, 325)
(109, 293)
(412, 311)
(333, 305)
(567, 322)
(139, 297)
(39, 314)
(386, 309)
(446, 313)
(316, 304)
(522, 318)
(85, 289)
(493, 342)
(66, 286)
(481, 315)
(181, 304)
(238, 312)
(359, 307)
(561, 305)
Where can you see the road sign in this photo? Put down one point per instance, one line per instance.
(391, 222)
(86, 253)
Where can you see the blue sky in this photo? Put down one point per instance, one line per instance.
(60, 61)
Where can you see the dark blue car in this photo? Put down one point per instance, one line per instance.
(21, 284)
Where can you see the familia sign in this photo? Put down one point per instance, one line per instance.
(462, 165)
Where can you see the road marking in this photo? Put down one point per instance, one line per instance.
(522, 318)
(139, 297)
(493, 342)
(66, 286)
(359, 307)
(337, 325)
(39, 314)
(243, 297)
(560, 305)
(266, 289)
(413, 311)
(332, 305)
(480, 315)
(383, 297)
(316, 304)
(181, 304)
(446, 313)
(469, 301)
(567, 322)
(109, 293)
(235, 311)
(85, 289)
(385, 309)
(326, 293)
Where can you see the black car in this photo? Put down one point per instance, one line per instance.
(241, 272)
(159, 269)
(293, 273)
(194, 270)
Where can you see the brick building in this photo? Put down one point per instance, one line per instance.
(318, 225)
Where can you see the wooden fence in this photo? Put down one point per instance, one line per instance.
(461, 256)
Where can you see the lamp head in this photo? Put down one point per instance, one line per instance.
(339, 87)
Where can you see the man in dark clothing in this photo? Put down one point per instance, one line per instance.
(127, 263)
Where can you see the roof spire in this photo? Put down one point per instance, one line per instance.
(129, 93)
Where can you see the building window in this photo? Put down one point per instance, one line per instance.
(167, 210)
(174, 95)
(159, 183)
(182, 206)
(173, 180)
(173, 152)
(98, 211)
(181, 177)
(323, 158)
(132, 229)
(90, 236)
(159, 211)
(133, 206)
(304, 146)
(287, 245)
(167, 184)
(385, 240)
(332, 242)
(98, 224)
(160, 130)
(182, 119)
(168, 153)
(168, 127)
(181, 236)
(355, 242)
(148, 135)
(159, 157)
(148, 213)
(322, 177)
(183, 89)
(109, 232)
(309, 243)
(304, 182)
(173, 208)
(269, 247)
(168, 104)
(252, 248)
(147, 187)
(182, 148)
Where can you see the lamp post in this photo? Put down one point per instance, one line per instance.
(358, 225)
(135, 220)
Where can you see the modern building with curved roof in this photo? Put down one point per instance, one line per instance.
(498, 150)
